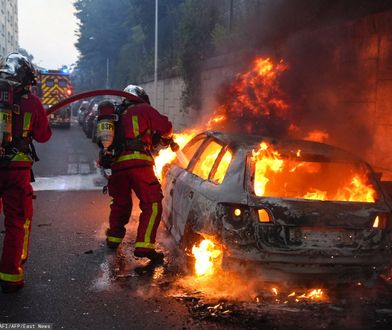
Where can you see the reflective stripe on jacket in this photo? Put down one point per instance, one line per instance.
(30, 123)
(139, 121)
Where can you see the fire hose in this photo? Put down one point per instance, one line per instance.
(102, 92)
(88, 94)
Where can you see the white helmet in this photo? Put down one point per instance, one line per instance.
(137, 91)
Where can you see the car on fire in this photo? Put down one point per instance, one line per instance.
(289, 208)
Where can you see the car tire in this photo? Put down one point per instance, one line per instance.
(189, 239)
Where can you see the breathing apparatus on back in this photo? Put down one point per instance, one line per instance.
(6, 109)
(109, 132)
(106, 123)
(16, 77)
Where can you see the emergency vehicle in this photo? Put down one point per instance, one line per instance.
(52, 87)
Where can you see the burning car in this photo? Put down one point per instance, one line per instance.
(291, 208)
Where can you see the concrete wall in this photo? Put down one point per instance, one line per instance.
(169, 102)
(372, 42)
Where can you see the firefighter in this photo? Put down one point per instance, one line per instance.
(28, 121)
(132, 169)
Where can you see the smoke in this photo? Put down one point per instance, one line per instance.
(329, 89)
(330, 82)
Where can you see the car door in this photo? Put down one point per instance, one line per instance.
(188, 187)
(173, 185)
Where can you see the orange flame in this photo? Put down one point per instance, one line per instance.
(265, 161)
(315, 294)
(166, 156)
(317, 136)
(206, 258)
(276, 176)
(252, 100)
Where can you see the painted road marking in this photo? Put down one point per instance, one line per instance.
(70, 182)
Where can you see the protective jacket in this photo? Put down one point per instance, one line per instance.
(29, 122)
(133, 170)
(138, 123)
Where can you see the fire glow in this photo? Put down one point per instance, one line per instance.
(253, 99)
(276, 176)
(166, 156)
(315, 294)
(206, 258)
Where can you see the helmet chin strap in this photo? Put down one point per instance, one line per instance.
(97, 92)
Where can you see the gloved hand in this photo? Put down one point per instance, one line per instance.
(174, 146)
(170, 143)
(105, 159)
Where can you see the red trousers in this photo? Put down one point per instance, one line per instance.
(142, 180)
(17, 195)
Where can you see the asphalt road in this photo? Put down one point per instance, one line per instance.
(74, 282)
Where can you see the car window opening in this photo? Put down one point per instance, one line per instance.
(219, 174)
(189, 151)
(206, 160)
(325, 180)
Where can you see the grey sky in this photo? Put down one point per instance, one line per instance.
(47, 31)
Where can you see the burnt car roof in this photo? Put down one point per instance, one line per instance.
(316, 150)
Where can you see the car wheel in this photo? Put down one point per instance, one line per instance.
(189, 239)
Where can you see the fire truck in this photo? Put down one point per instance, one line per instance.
(52, 87)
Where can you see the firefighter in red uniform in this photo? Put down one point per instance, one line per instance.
(132, 169)
(26, 120)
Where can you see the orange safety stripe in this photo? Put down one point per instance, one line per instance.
(26, 124)
(26, 227)
(21, 157)
(12, 277)
(114, 239)
(134, 155)
(135, 124)
(147, 237)
(145, 245)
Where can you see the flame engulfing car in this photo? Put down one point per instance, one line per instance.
(296, 208)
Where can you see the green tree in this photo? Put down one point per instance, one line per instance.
(198, 22)
(101, 35)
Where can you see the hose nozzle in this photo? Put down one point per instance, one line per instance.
(174, 146)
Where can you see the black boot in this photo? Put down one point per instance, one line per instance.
(112, 245)
(154, 256)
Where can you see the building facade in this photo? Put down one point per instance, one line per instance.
(8, 26)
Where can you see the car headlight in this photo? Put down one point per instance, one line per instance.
(380, 221)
